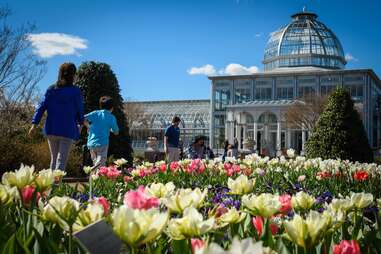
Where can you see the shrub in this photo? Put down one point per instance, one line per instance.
(339, 132)
(96, 80)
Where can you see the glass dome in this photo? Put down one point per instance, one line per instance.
(304, 42)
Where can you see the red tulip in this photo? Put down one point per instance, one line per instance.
(361, 175)
(106, 206)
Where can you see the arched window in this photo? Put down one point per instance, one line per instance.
(267, 117)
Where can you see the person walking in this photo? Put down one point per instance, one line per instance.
(100, 123)
(63, 103)
(171, 140)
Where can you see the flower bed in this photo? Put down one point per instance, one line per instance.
(291, 205)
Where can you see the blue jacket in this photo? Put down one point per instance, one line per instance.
(64, 106)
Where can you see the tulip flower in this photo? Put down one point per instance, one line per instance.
(20, 178)
(120, 162)
(184, 198)
(265, 205)
(27, 195)
(7, 194)
(285, 200)
(302, 201)
(347, 247)
(105, 204)
(58, 174)
(190, 225)
(198, 245)
(230, 216)
(160, 190)
(87, 169)
(44, 180)
(241, 185)
(92, 213)
(361, 200)
(140, 200)
(306, 233)
(257, 222)
(61, 210)
(136, 227)
(290, 153)
(360, 175)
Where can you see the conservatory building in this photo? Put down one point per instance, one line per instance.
(150, 118)
(303, 58)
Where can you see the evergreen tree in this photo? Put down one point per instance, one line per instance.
(339, 132)
(97, 80)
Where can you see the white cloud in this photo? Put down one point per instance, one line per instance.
(349, 57)
(207, 69)
(258, 35)
(237, 69)
(51, 44)
(230, 69)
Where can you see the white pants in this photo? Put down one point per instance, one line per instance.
(99, 155)
(173, 154)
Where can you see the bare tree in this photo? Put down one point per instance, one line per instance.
(20, 72)
(304, 113)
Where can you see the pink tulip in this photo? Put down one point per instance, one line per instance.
(236, 168)
(347, 247)
(285, 200)
(140, 200)
(174, 166)
(197, 244)
(27, 194)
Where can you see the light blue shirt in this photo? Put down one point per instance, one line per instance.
(101, 123)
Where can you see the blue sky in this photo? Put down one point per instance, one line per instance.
(152, 44)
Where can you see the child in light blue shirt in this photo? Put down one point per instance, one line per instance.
(99, 124)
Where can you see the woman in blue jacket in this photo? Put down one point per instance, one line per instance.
(63, 103)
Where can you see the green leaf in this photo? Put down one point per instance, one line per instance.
(10, 246)
(180, 247)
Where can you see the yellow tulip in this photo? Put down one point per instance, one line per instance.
(120, 162)
(190, 225)
(184, 198)
(361, 200)
(232, 216)
(20, 178)
(160, 190)
(340, 204)
(136, 227)
(297, 230)
(307, 233)
(317, 225)
(58, 174)
(44, 179)
(302, 201)
(241, 185)
(7, 194)
(265, 205)
(61, 210)
(91, 214)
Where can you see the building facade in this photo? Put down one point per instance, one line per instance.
(303, 58)
(150, 118)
